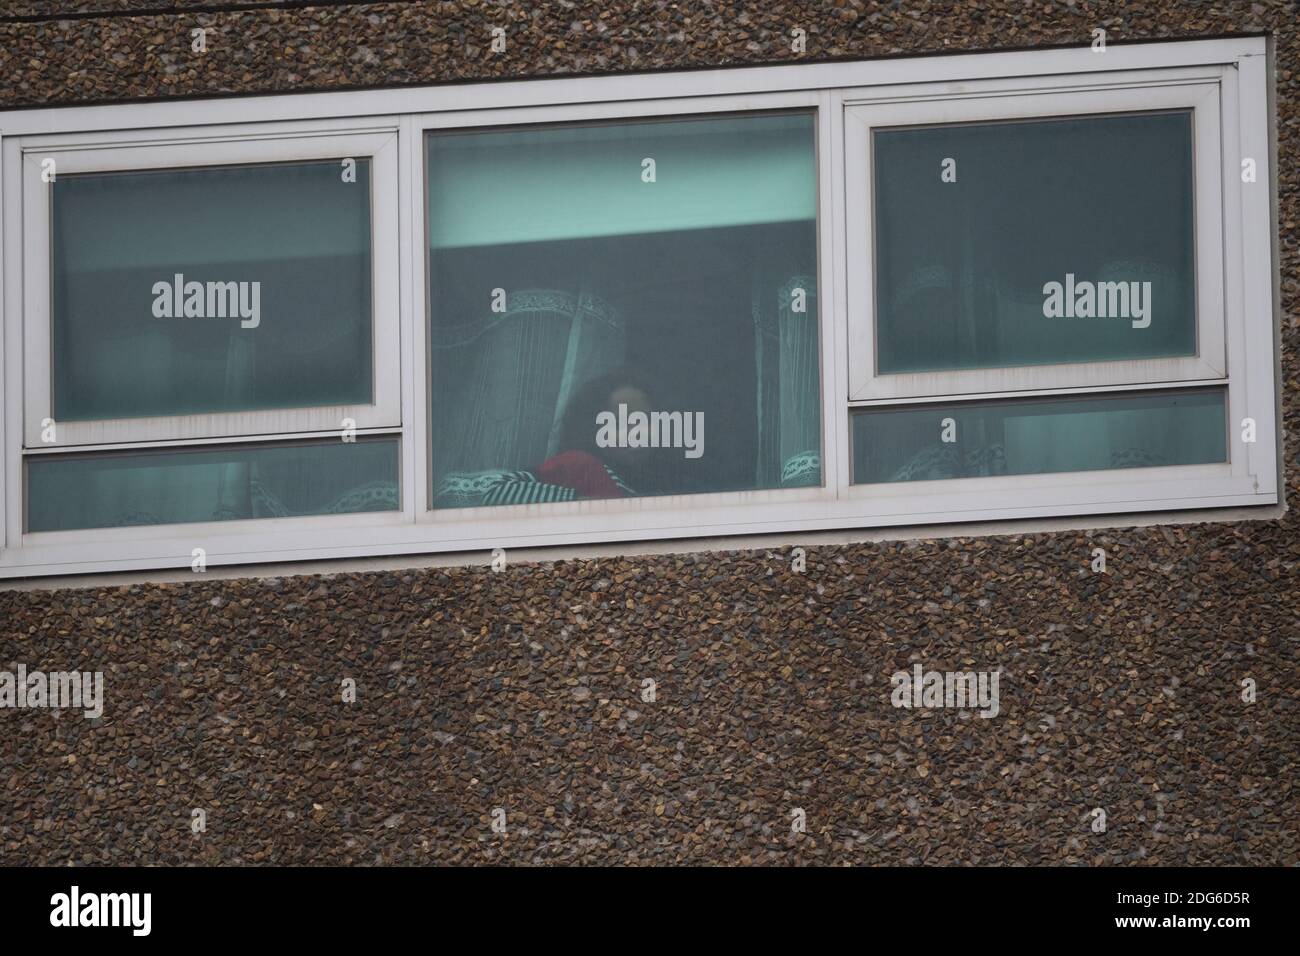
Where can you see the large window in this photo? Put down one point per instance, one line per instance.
(623, 309)
(780, 299)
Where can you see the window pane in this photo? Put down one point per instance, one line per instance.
(221, 289)
(623, 310)
(1036, 436)
(1101, 206)
(121, 489)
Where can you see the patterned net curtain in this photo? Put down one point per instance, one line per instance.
(789, 400)
(508, 382)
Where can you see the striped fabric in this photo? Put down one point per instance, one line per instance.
(523, 488)
(619, 481)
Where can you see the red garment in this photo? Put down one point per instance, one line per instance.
(582, 472)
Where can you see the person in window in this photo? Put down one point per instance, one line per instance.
(582, 468)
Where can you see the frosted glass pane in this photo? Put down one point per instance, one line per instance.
(272, 308)
(1037, 436)
(1101, 206)
(568, 293)
(114, 490)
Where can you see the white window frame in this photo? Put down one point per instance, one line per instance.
(178, 149)
(867, 111)
(1250, 478)
(455, 519)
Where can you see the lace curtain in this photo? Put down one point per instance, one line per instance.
(499, 403)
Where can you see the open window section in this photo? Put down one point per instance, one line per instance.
(210, 290)
(212, 483)
(623, 309)
(1035, 242)
(979, 439)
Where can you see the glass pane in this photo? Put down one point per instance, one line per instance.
(1065, 240)
(623, 310)
(222, 289)
(1036, 436)
(217, 483)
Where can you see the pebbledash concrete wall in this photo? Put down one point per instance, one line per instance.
(521, 690)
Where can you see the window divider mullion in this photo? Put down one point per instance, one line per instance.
(410, 273)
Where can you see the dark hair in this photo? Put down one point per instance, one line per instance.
(578, 426)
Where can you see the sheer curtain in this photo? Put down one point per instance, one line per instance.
(789, 396)
(505, 380)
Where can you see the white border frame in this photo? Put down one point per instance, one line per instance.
(868, 111)
(1249, 275)
(180, 149)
